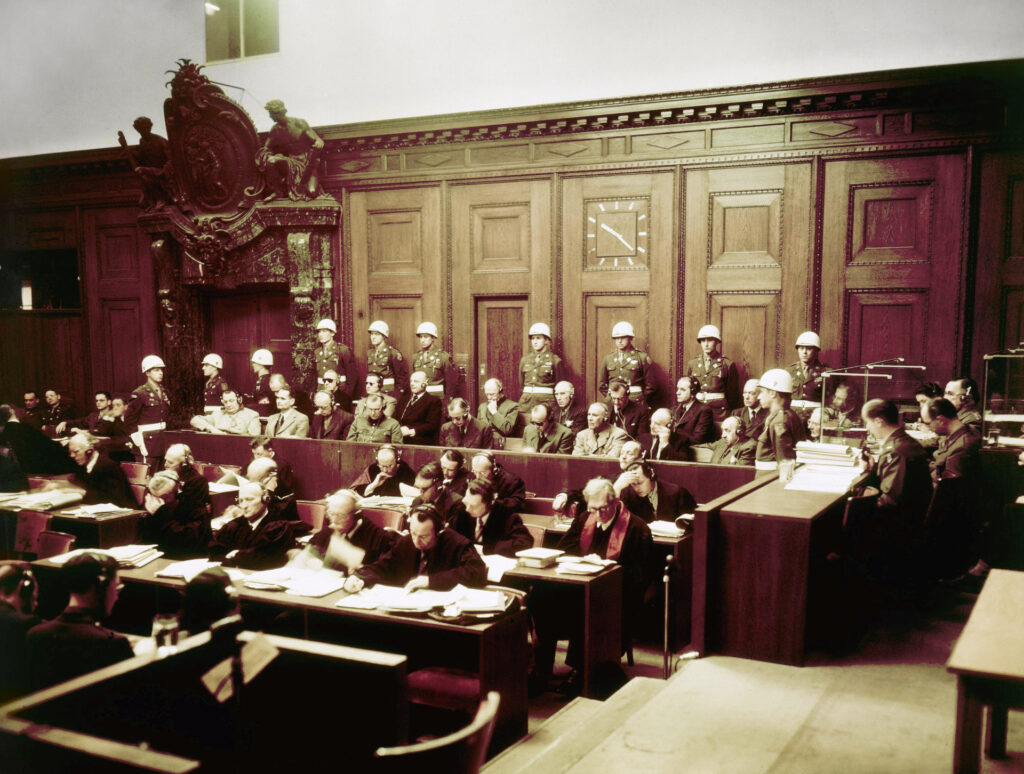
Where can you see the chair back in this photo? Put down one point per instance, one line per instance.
(311, 512)
(26, 534)
(213, 472)
(537, 532)
(385, 518)
(513, 444)
(137, 472)
(856, 508)
(52, 543)
(139, 490)
(462, 752)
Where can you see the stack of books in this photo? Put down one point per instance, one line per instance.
(813, 453)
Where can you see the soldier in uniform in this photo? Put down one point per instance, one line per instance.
(57, 411)
(435, 363)
(262, 398)
(216, 385)
(806, 373)
(783, 428)
(333, 356)
(148, 405)
(719, 379)
(539, 371)
(628, 364)
(963, 394)
(387, 361)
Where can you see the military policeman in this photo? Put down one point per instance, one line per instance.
(262, 398)
(216, 385)
(806, 373)
(387, 361)
(719, 379)
(435, 363)
(149, 405)
(334, 356)
(783, 428)
(628, 364)
(539, 371)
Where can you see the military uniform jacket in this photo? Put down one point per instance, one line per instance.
(783, 429)
(553, 438)
(740, 453)
(215, 386)
(384, 430)
(389, 363)
(901, 476)
(337, 357)
(100, 424)
(693, 423)
(148, 405)
(70, 645)
(261, 392)
(32, 417)
(957, 455)
(442, 377)
(632, 417)
(971, 417)
(503, 420)
(751, 420)
(631, 366)
(452, 560)
(477, 434)
(333, 426)
(605, 443)
(390, 404)
(539, 369)
(503, 533)
(54, 415)
(245, 421)
(807, 380)
(291, 423)
(716, 374)
(572, 416)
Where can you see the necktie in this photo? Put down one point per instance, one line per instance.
(479, 530)
(654, 447)
(423, 563)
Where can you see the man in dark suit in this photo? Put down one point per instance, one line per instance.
(661, 443)
(346, 541)
(489, 525)
(568, 412)
(428, 557)
(751, 414)
(447, 501)
(692, 421)
(255, 538)
(330, 422)
(631, 416)
(420, 414)
(464, 430)
(510, 489)
(453, 469)
(100, 478)
(650, 499)
(385, 475)
(733, 448)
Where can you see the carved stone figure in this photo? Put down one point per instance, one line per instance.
(290, 158)
(151, 163)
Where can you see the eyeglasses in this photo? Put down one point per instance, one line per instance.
(330, 381)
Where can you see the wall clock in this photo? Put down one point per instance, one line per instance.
(617, 233)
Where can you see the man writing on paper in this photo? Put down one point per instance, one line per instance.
(347, 540)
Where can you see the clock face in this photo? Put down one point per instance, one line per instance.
(617, 233)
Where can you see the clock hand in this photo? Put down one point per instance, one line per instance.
(616, 234)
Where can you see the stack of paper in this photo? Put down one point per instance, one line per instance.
(188, 569)
(383, 501)
(302, 583)
(45, 500)
(824, 478)
(126, 556)
(665, 529)
(591, 564)
(94, 511)
(826, 454)
(497, 566)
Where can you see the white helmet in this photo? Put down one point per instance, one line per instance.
(427, 329)
(214, 360)
(808, 339)
(778, 379)
(152, 361)
(540, 329)
(622, 329)
(327, 325)
(263, 357)
(709, 332)
(381, 327)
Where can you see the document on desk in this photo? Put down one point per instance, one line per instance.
(823, 478)
(96, 511)
(582, 565)
(300, 582)
(187, 569)
(497, 566)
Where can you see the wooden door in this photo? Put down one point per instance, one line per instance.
(619, 262)
(244, 321)
(892, 265)
(501, 277)
(748, 262)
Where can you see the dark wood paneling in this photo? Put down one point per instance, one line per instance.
(246, 321)
(500, 342)
(39, 350)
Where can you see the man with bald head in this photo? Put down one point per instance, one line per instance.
(420, 413)
(254, 538)
(662, 443)
(373, 426)
(733, 448)
(546, 436)
(599, 439)
(510, 490)
(330, 421)
(100, 479)
(751, 414)
(346, 541)
(499, 412)
(194, 489)
(281, 499)
(567, 412)
(385, 475)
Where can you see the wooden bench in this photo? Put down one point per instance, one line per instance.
(988, 661)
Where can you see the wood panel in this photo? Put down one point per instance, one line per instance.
(748, 264)
(501, 266)
(241, 323)
(397, 264)
(619, 253)
(892, 263)
(117, 278)
(40, 350)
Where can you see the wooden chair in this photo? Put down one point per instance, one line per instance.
(312, 513)
(137, 472)
(213, 472)
(139, 490)
(462, 752)
(384, 518)
(26, 535)
(52, 543)
(537, 532)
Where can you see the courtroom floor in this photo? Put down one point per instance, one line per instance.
(885, 705)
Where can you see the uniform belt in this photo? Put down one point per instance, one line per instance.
(152, 427)
(539, 390)
(805, 404)
(389, 382)
(435, 389)
(210, 409)
(635, 389)
(706, 396)
(766, 465)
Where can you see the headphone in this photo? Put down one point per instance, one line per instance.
(26, 583)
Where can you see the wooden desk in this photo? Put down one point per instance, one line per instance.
(988, 661)
(100, 532)
(764, 591)
(600, 601)
(497, 651)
